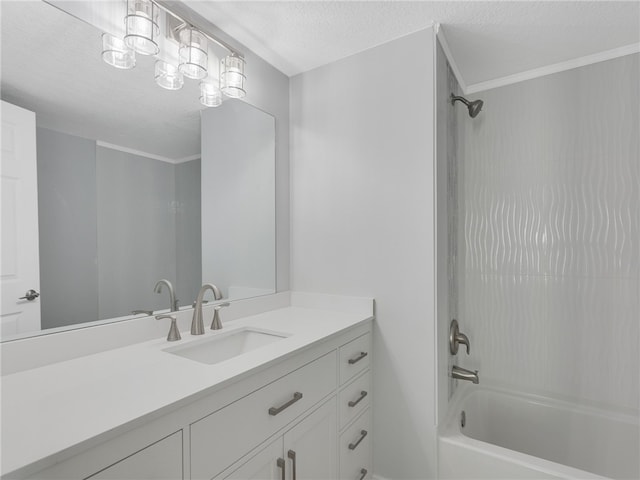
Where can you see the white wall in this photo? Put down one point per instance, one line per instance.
(362, 223)
(550, 187)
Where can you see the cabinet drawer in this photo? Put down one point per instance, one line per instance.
(223, 437)
(354, 398)
(355, 449)
(354, 357)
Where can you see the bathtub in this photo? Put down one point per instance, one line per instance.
(518, 436)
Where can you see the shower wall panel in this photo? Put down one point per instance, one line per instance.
(549, 188)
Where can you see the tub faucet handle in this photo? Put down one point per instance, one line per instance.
(456, 338)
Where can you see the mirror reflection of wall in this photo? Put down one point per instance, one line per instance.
(119, 174)
(108, 230)
(237, 143)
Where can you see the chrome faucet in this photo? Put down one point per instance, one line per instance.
(464, 374)
(197, 324)
(173, 307)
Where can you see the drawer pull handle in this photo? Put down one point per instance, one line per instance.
(363, 473)
(358, 358)
(281, 465)
(354, 403)
(292, 455)
(363, 433)
(276, 410)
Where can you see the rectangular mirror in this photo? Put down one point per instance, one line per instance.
(135, 183)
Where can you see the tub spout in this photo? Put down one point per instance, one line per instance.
(464, 374)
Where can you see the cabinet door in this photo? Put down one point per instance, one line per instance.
(162, 460)
(310, 447)
(267, 464)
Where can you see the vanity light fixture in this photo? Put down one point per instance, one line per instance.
(232, 76)
(168, 76)
(196, 56)
(210, 94)
(193, 53)
(116, 53)
(142, 27)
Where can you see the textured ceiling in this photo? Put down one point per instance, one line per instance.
(488, 40)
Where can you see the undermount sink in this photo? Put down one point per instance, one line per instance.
(224, 346)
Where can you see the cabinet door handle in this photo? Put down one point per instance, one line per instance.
(353, 403)
(363, 473)
(276, 410)
(292, 455)
(281, 465)
(363, 433)
(358, 358)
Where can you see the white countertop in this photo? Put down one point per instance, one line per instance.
(52, 408)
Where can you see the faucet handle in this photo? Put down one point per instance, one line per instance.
(174, 333)
(456, 338)
(216, 324)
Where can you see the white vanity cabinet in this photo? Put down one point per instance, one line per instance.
(354, 409)
(162, 460)
(306, 451)
(285, 420)
(226, 435)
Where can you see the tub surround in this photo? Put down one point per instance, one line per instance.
(51, 411)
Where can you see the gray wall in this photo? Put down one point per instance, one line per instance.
(136, 231)
(111, 225)
(188, 231)
(550, 188)
(67, 228)
(362, 211)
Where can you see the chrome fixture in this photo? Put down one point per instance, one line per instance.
(168, 76)
(197, 324)
(181, 50)
(174, 333)
(173, 303)
(193, 53)
(210, 93)
(216, 324)
(464, 374)
(474, 107)
(456, 338)
(232, 76)
(30, 295)
(116, 53)
(142, 27)
(143, 312)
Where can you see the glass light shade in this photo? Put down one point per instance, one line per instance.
(210, 94)
(232, 76)
(142, 29)
(168, 76)
(116, 53)
(193, 53)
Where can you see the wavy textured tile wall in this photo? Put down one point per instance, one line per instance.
(549, 188)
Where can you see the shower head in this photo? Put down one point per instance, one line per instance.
(474, 107)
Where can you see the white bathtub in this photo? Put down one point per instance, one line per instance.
(517, 436)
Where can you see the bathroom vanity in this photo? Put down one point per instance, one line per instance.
(290, 399)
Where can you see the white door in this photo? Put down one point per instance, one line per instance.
(268, 464)
(19, 259)
(311, 446)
